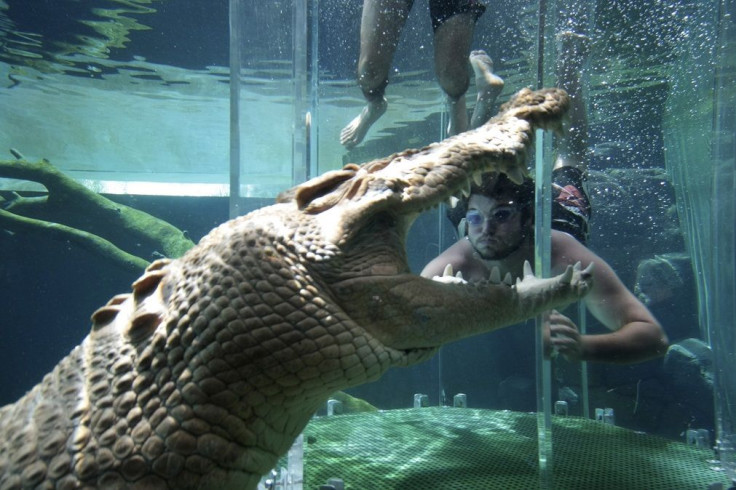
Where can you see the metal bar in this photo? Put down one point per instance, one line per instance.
(234, 202)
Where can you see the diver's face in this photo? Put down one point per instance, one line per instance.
(495, 228)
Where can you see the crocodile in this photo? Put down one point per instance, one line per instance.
(206, 372)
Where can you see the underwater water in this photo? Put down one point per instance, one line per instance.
(133, 99)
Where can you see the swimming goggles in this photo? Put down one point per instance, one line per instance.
(498, 216)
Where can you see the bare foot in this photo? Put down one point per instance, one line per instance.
(352, 134)
(488, 85)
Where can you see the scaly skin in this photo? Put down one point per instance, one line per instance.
(207, 372)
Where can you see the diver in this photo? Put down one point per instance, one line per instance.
(497, 232)
(500, 235)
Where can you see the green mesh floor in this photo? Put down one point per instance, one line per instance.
(445, 448)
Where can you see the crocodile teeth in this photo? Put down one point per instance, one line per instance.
(447, 271)
(528, 269)
(448, 278)
(495, 275)
(567, 275)
(466, 189)
(478, 178)
(452, 201)
(578, 267)
(508, 280)
(515, 175)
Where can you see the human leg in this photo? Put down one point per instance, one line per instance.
(488, 86)
(380, 29)
(452, 41)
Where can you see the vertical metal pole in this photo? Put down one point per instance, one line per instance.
(301, 153)
(234, 203)
(723, 210)
(299, 76)
(542, 243)
(313, 55)
(441, 245)
(543, 212)
(583, 327)
(540, 42)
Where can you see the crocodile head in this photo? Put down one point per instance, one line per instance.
(206, 373)
(354, 224)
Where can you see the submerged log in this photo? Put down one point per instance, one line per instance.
(74, 213)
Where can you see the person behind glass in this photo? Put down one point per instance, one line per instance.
(498, 232)
(453, 22)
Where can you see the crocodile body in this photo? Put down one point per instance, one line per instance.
(205, 374)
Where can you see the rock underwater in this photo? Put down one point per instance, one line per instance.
(205, 374)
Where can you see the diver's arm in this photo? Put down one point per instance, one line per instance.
(636, 335)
